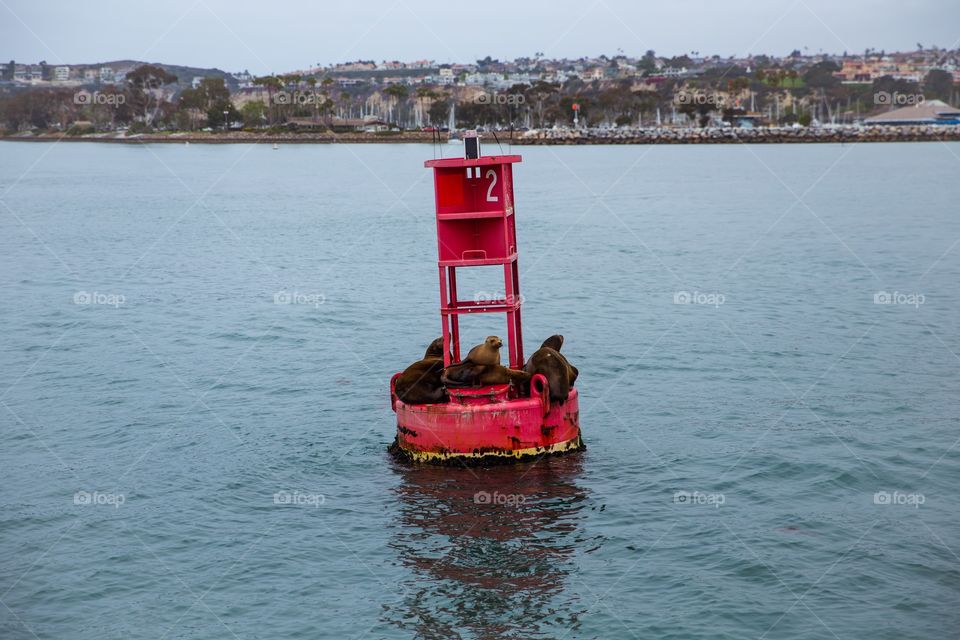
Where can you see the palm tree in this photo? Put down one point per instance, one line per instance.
(272, 84)
(397, 92)
(422, 93)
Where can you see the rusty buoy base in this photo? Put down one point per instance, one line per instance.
(485, 425)
(486, 458)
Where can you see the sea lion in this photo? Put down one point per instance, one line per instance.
(554, 342)
(486, 353)
(552, 365)
(467, 374)
(435, 350)
(420, 382)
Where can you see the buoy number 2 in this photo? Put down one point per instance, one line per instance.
(493, 182)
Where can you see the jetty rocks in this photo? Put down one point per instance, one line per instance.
(558, 136)
(721, 135)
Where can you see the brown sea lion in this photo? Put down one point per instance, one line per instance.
(467, 374)
(554, 342)
(420, 382)
(552, 365)
(435, 350)
(486, 353)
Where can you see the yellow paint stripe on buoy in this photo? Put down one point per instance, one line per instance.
(573, 444)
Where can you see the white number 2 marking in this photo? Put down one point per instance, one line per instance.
(493, 182)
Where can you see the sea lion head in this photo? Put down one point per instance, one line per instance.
(554, 342)
(494, 342)
(435, 350)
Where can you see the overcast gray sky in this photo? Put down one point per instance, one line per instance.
(279, 36)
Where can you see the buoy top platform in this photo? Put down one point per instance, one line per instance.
(472, 162)
(476, 226)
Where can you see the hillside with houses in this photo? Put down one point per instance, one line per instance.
(529, 93)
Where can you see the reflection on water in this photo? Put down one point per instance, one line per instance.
(490, 551)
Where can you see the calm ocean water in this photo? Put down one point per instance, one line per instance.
(191, 330)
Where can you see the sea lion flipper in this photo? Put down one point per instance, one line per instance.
(519, 376)
(553, 342)
(463, 374)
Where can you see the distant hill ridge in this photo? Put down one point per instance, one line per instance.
(185, 75)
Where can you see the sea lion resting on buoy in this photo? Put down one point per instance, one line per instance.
(435, 350)
(482, 367)
(420, 382)
(552, 365)
(486, 353)
(468, 374)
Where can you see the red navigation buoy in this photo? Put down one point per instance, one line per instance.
(476, 226)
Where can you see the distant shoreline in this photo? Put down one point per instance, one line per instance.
(782, 135)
